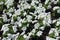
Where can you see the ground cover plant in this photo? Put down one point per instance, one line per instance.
(29, 19)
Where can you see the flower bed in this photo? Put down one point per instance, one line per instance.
(29, 19)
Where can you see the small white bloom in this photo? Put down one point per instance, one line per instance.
(25, 36)
(11, 10)
(5, 28)
(24, 13)
(34, 21)
(52, 30)
(33, 31)
(1, 3)
(58, 11)
(48, 38)
(24, 28)
(41, 15)
(4, 17)
(30, 34)
(49, 6)
(29, 18)
(9, 3)
(56, 32)
(8, 13)
(54, 21)
(58, 23)
(36, 25)
(15, 36)
(4, 38)
(39, 33)
(24, 20)
(17, 12)
(56, 7)
(14, 28)
(46, 1)
(22, 33)
(42, 28)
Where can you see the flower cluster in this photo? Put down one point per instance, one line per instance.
(29, 19)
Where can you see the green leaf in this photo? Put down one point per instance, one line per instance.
(10, 29)
(20, 38)
(15, 18)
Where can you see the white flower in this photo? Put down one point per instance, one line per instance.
(58, 11)
(29, 18)
(47, 19)
(56, 7)
(42, 28)
(25, 36)
(52, 30)
(17, 12)
(24, 13)
(23, 28)
(49, 6)
(9, 35)
(26, 5)
(56, 32)
(11, 10)
(4, 17)
(4, 38)
(48, 38)
(18, 6)
(39, 33)
(57, 38)
(19, 22)
(34, 21)
(9, 3)
(5, 28)
(30, 34)
(41, 15)
(58, 23)
(33, 4)
(22, 33)
(36, 25)
(55, 1)
(14, 28)
(8, 13)
(14, 36)
(24, 20)
(54, 21)
(1, 3)
(46, 1)
(33, 31)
